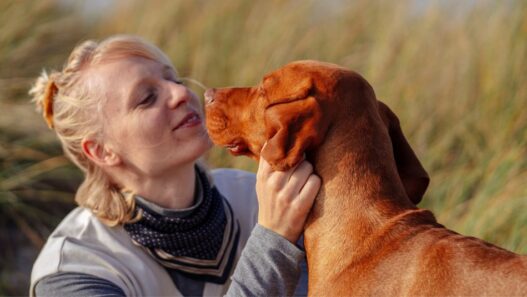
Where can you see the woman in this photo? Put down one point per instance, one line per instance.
(152, 220)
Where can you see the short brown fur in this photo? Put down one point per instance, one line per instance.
(364, 236)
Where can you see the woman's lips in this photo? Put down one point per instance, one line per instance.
(190, 120)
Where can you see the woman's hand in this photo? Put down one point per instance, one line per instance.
(285, 198)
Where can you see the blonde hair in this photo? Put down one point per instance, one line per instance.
(73, 110)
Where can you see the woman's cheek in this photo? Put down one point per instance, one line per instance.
(149, 130)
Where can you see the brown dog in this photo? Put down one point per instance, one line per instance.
(364, 236)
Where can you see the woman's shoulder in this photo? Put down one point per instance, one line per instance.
(78, 234)
(234, 183)
(238, 188)
(82, 243)
(82, 224)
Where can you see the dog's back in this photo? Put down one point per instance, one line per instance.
(430, 260)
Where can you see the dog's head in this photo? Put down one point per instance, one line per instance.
(284, 110)
(291, 110)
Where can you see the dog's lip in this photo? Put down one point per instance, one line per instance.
(189, 118)
(235, 147)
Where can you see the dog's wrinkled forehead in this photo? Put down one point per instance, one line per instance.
(287, 76)
(285, 84)
(298, 78)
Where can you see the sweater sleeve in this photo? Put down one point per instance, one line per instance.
(76, 284)
(269, 266)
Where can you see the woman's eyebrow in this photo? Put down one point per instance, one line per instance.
(168, 70)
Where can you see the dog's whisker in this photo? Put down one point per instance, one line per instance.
(194, 81)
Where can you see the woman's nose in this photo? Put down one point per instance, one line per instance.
(179, 95)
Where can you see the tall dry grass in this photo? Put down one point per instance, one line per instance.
(36, 182)
(453, 71)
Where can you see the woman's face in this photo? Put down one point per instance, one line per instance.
(150, 120)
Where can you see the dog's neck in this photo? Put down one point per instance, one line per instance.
(361, 192)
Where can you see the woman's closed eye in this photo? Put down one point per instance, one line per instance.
(148, 99)
(176, 80)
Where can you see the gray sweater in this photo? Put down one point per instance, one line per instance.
(269, 266)
(86, 258)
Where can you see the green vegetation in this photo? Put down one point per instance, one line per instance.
(454, 73)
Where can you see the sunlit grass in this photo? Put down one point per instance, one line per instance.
(454, 74)
(36, 182)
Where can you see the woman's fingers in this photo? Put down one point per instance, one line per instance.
(299, 176)
(275, 179)
(285, 197)
(309, 191)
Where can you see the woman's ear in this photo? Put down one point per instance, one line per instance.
(99, 153)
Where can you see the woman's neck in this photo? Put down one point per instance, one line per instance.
(173, 190)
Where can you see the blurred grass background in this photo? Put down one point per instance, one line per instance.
(453, 71)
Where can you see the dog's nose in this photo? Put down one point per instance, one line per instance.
(209, 95)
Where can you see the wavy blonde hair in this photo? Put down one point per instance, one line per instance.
(73, 111)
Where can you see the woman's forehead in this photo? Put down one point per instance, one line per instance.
(114, 81)
(122, 74)
(132, 65)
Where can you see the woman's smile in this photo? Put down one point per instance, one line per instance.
(192, 119)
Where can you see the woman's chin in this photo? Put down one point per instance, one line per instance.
(199, 146)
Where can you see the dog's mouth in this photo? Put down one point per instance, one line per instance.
(237, 148)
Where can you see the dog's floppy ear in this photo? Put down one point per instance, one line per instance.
(278, 91)
(414, 177)
(291, 128)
